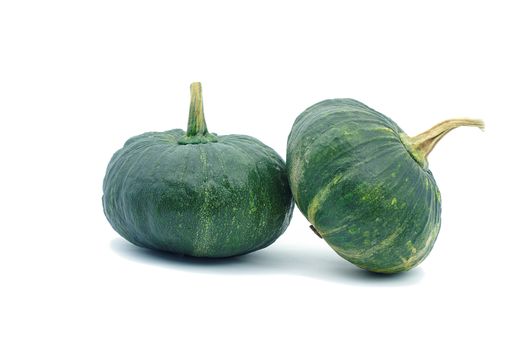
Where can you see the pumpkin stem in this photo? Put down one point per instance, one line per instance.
(196, 122)
(421, 145)
(197, 130)
(315, 231)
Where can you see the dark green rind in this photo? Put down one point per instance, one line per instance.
(214, 199)
(355, 181)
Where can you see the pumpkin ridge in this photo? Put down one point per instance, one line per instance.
(346, 218)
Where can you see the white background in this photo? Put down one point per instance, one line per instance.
(77, 78)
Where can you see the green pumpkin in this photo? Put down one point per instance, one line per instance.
(197, 193)
(365, 185)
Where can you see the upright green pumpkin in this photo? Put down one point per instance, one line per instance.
(197, 193)
(365, 185)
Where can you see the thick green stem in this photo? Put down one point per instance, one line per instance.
(196, 122)
(197, 131)
(421, 145)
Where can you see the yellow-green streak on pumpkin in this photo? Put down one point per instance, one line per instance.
(365, 185)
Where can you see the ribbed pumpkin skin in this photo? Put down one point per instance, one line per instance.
(214, 199)
(355, 181)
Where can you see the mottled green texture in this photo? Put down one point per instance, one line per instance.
(214, 199)
(352, 176)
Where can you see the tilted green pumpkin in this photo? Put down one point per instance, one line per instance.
(365, 185)
(197, 193)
